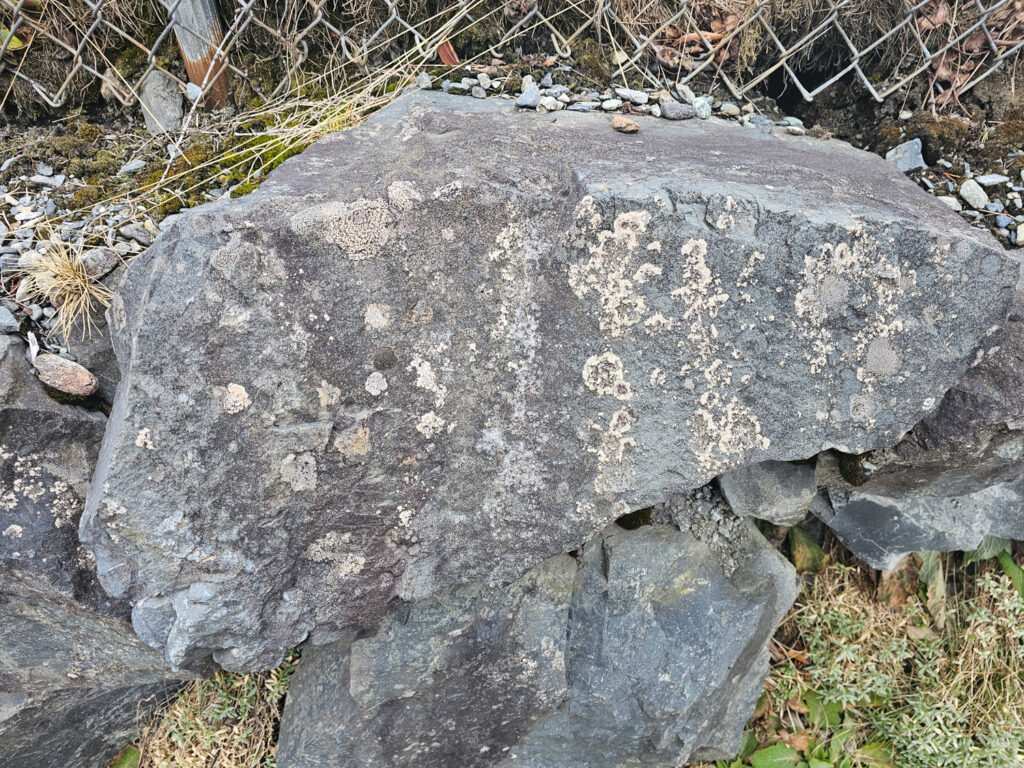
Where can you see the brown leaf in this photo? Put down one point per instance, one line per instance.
(447, 54)
(938, 14)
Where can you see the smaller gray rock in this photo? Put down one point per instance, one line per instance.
(702, 105)
(98, 262)
(549, 104)
(530, 97)
(673, 110)
(48, 181)
(1002, 220)
(161, 102)
(796, 130)
(610, 105)
(557, 90)
(730, 109)
(423, 80)
(458, 88)
(583, 106)
(131, 166)
(991, 179)
(655, 110)
(193, 92)
(65, 375)
(484, 80)
(973, 194)
(137, 232)
(8, 322)
(546, 81)
(907, 156)
(478, 92)
(776, 491)
(632, 95)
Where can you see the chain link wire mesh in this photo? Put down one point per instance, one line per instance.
(52, 51)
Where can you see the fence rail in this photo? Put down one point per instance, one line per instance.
(53, 50)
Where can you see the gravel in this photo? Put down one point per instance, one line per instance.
(973, 194)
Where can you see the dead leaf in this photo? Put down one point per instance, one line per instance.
(938, 14)
(921, 633)
(447, 54)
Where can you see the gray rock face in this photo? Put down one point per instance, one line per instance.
(72, 672)
(161, 102)
(641, 650)
(402, 365)
(776, 491)
(956, 477)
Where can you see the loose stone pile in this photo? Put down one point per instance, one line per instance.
(393, 403)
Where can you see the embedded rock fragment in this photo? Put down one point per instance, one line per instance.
(776, 491)
(402, 364)
(72, 672)
(956, 477)
(641, 650)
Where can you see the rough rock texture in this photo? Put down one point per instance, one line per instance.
(72, 672)
(404, 364)
(776, 491)
(641, 651)
(956, 477)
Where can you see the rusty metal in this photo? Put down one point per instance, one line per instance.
(200, 40)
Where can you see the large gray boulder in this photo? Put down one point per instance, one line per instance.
(73, 676)
(645, 649)
(455, 341)
(956, 477)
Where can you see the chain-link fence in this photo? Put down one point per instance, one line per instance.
(53, 52)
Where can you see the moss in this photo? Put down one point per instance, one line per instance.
(103, 164)
(85, 197)
(244, 188)
(88, 132)
(68, 146)
(590, 61)
(939, 136)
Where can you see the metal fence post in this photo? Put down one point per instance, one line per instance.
(199, 33)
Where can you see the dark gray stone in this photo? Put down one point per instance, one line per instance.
(956, 477)
(530, 97)
(402, 364)
(643, 652)
(72, 672)
(907, 156)
(776, 491)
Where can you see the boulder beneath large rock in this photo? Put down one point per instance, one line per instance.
(72, 672)
(955, 478)
(645, 648)
(456, 341)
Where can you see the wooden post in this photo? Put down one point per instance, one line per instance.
(199, 33)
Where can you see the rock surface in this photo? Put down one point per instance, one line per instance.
(956, 477)
(72, 672)
(776, 491)
(641, 651)
(161, 102)
(402, 365)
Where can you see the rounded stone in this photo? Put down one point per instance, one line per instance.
(65, 375)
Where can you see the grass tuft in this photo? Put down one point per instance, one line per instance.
(59, 278)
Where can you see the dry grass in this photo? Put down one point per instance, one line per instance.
(57, 277)
(229, 721)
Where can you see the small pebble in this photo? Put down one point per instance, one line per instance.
(702, 105)
(65, 375)
(546, 82)
(795, 130)
(973, 194)
(98, 262)
(548, 104)
(991, 179)
(48, 181)
(1003, 221)
(632, 95)
(8, 322)
(730, 109)
(610, 105)
(906, 114)
(484, 80)
(423, 80)
(138, 233)
(673, 110)
(530, 97)
(623, 124)
(479, 92)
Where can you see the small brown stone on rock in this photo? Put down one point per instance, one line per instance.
(65, 375)
(624, 124)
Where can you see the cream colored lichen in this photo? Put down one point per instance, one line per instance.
(603, 374)
(233, 398)
(360, 228)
